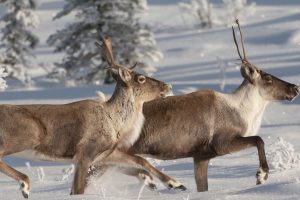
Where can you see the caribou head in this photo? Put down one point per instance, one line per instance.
(270, 87)
(142, 87)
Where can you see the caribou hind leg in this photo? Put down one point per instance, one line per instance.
(5, 150)
(133, 161)
(142, 175)
(18, 176)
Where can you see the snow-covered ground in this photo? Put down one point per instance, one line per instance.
(190, 62)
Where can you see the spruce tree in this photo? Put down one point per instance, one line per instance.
(2, 81)
(118, 19)
(17, 41)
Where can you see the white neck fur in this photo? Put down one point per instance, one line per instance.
(247, 100)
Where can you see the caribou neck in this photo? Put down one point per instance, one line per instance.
(247, 96)
(251, 105)
(123, 105)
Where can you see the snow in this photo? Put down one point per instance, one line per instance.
(28, 18)
(2, 81)
(191, 62)
(281, 155)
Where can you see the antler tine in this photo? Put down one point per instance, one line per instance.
(98, 44)
(106, 46)
(133, 66)
(236, 44)
(242, 40)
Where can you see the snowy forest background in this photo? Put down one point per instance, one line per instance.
(48, 56)
(80, 62)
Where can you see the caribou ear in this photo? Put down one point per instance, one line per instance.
(249, 72)
(124, 74)
(114, 71)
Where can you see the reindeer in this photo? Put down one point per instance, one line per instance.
(85, 131)
(207, 124)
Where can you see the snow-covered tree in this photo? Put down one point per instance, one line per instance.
(2, 81)
(119, 19)
(17, 41)
(237, 9)
(207, 15)
(201, 10)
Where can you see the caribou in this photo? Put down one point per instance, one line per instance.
(83, 132)
(207, 124)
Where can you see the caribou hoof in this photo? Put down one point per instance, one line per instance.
(24, 187)
(261, 176)
(175, 185)
(181, 188)
(152, 186)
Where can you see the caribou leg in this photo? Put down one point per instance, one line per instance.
(18, 176)
(121, 158)
(240, 143)
(142, 175)
(200, 170)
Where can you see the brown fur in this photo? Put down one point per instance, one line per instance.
(85, 131)
(203, 126)
(207, 124)
(192, 116)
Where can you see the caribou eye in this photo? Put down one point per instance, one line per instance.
(141, 79)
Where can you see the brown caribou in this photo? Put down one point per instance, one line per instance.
(86, 131)
(207, 124)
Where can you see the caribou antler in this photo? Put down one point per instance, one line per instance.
(106, 46)
(133, 66)
(236, 44)
(242, 41)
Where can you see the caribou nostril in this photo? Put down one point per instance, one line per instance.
(167, 87)
(296, 88)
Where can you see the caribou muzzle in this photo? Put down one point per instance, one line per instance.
(293, 92)
(166, 90)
